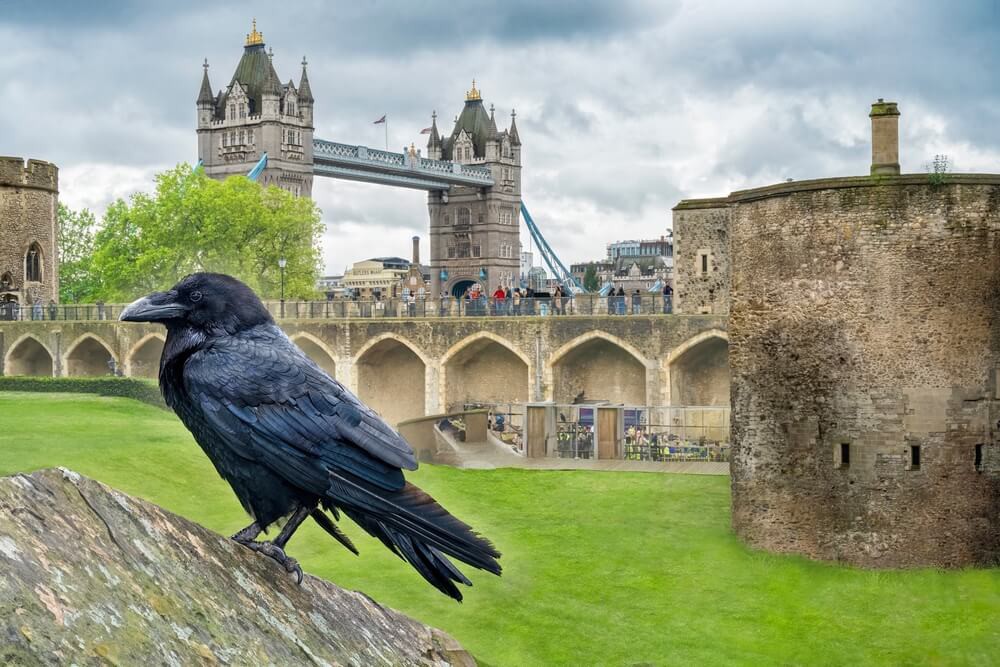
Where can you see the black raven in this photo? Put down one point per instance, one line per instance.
(290, 440)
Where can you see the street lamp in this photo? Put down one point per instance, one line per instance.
(282, 263)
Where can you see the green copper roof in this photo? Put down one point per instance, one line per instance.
(257, 75)
(476, 123)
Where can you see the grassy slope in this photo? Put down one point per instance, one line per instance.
(600, 568)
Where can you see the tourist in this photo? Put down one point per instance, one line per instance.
(636, 303)
(36, 311)
(620, 300)
(53, 309)
(668, 298)
(498, 300)
(507, 295)
(517, 301)
(100, 310)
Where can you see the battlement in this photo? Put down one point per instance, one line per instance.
(38, 174)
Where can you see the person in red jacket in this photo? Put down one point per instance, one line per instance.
(499, 296)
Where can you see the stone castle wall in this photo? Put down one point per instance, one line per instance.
(28, 207)
(863, 324)
(701, 256)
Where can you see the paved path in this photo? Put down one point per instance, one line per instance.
(486, 455)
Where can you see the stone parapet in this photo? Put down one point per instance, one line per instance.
(14, 172)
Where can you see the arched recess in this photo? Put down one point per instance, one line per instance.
(33, 263)
(144, 359)
(89, 356)
(699, 370)
(317, 350)
(597, 366)
(390, 374)
(484, 368)
(28, 356)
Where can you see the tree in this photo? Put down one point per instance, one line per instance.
(76, 249)
(590, 282)
(194, 223)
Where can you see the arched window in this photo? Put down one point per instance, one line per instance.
(464, 217)
(33, 264)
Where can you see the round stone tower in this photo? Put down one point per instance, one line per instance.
(865, 353)
(29, 233)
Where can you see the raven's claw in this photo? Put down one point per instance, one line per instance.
(277, 554)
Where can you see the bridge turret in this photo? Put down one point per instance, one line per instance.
(305, 97)
(474, 230)
(257, 114)
(206, 100)
(434, 142)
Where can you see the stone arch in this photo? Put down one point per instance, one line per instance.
(318, 351)
(144, 358)
(29, 356)
(698, 370)
(390, 374)
(599, 365)
(484, 368)
(89, 356)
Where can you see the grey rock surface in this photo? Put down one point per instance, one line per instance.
(92, 576)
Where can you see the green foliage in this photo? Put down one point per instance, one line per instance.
(590, 282)
(194, 223)
(937, 170)
(600, 568)
(146, 391)
(76, 250)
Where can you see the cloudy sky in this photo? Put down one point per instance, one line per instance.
(624, 107)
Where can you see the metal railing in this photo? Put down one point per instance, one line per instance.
(506, 421)
(579, 305)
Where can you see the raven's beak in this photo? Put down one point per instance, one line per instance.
(157, 307)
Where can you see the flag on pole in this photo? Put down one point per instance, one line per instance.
(426, 130)
(380, 120)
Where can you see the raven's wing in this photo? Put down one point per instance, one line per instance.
(269, 402)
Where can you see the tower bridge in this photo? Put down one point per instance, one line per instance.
(472, 175)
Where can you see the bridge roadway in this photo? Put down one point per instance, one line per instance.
(408, 367)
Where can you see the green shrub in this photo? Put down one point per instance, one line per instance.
(146, 391)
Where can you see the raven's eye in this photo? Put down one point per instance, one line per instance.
(195, 296)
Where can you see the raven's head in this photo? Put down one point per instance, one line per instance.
(212, 302)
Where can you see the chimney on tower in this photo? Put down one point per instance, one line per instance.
(885, 138)
(416, 251)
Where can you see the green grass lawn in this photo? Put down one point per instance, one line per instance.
(600, 568)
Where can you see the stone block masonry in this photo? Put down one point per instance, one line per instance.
(865, 343)
(29, 262)
(701, 256)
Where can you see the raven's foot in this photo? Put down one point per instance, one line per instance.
(277, 554)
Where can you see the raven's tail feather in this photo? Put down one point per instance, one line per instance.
(414, 527)
(331, 528)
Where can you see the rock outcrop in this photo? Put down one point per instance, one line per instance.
(89, 575)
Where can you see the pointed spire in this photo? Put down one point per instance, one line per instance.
(491, 131)
(205, 94)
(515, 140)
(435, 138)
(305, 92)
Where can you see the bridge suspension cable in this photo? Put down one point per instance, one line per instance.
(558, 269)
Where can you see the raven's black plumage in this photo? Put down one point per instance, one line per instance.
(286, 435)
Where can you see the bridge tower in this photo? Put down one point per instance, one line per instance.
(474, 231)
(255, 114)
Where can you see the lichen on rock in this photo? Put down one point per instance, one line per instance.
(91, 576)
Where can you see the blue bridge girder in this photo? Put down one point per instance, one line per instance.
(371, 165)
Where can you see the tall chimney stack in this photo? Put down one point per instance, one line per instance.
(885, 138)
(416, 251)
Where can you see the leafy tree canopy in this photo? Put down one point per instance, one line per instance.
(195, 223)
(76, 249)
